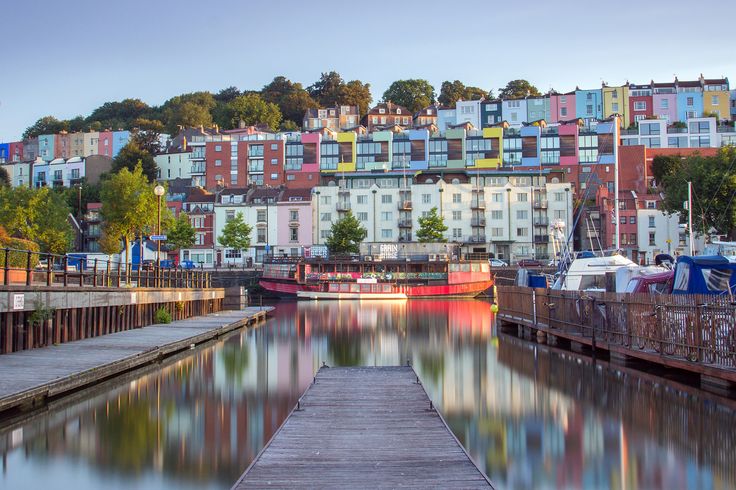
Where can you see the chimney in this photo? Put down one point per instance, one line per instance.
(184, 143)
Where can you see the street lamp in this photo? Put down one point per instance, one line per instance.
(159, 191)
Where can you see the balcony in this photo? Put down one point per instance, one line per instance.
(477, 204)
(540, 204)
(405, 238)
(671, 130)
(541, 221)
(541, 239)
(478, 222)
(477, 239)
(405, 223)
(198, 169)
(343, 207)
(405, 206)
(725, 129)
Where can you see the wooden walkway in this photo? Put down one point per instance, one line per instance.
(29, 377)
(364, 428)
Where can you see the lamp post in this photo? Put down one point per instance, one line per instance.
(159, 191)
(374, 214)
(567, 220)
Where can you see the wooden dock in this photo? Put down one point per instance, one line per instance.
(28, 378)
(364, 427)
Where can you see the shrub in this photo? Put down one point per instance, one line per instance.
(17, 259)
(162, 316)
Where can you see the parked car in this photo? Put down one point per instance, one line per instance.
(148, 265)
(529, 263)
(187, 264)
(497, 263)
(168, 264)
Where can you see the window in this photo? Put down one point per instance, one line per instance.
(559, 196)
(261, 236)
(217, 147)
(521, 196)
(218, 162)
(387, 216)
(632, 220)
(652, 238)
(293, 215)
(623, 220)
(522, 232)
(274, 176)
(457, 233)
(456, 198)
(563, 111)
(496, 232)
(362, 199)
(426, 198)
(614, 106)
(664, 104)
(326, 200)
(326, 217)
(457, 215)
(700, 127)
(713, 100)
(232, 253)
(649, 129)
(274, 146)
(522, 214)
(387, 233)
(261, 215)
(386, 199)
(362, 216)
(274, 161)
(293, 234)
(690, 101)
(651, 222)
(229, 215)
(640, 106)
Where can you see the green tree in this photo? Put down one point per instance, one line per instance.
(222, 115)
(714, 187)
(45, 125)
(180, 234)
(665, 165)
(414, 94)
(188, 110)
(356, 93)
(294, 105)
(4, 177)
(451, 92)
(236, 233)
(346, 235)
(40, 215)
(327, 90)
(227, 94)
(146, 133)
(518, 89)
(431, 228)
(251, 109)
(129, 208)
(289, 125)
(83, 193)
(119, 115)
(132, 155)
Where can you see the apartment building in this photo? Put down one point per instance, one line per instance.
(338, 118)
(388, 114)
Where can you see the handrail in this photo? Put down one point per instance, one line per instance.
(48, 269)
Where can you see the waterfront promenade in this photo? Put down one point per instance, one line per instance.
(28, 378)
(364, 427)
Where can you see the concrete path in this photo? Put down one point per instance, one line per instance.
(27, 378)
(370, 427)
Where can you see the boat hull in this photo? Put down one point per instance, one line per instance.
(348, 296)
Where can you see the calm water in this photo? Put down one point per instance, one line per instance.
(530, 416)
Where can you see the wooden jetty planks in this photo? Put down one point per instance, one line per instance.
(49, 371)
(364, 427)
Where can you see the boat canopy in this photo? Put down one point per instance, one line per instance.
(705, 274)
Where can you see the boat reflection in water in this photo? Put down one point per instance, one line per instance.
(531, 416)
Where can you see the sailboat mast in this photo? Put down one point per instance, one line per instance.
(615, 181)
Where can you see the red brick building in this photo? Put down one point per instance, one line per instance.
(388, 114)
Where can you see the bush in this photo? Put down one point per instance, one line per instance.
(162, 316)
(17, 259)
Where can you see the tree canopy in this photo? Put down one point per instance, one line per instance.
(431, 227)
(414, 94)
(119, 115)
(332, 90)
(346, 235)
(45, 125)
(236, 233)
(714, 189)
(180, 233)
(132, 155)
(251, 109)
(451, 92)
(518, 89)
(187, 110)
(40, 215)
(129, 208)
(4, 177)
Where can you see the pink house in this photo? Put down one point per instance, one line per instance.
(561, 107)
(302, 161)
(294, 215)
(568, 132)
(664, 101)
(105, 144)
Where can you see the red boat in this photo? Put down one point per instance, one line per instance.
(356, 278)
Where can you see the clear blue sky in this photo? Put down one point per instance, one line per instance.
(64, 58)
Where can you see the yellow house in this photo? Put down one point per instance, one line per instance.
(616, 101)
(716, 98)
(493, 156)
(347, 141)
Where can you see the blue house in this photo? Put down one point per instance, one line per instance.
(588, 104)
(689, 100)
(4, 152)
(419, 138)
(119, 140)
(46, 146)
(530, 145)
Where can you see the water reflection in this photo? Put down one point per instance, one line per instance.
(531, 417)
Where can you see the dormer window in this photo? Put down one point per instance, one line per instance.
(429, 112)
(398, 111)
(382, 111)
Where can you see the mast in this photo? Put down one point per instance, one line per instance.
(615, 180)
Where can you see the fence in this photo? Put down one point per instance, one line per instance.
(675, 330)
(29, 268)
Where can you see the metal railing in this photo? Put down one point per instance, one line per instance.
(689, 329)
(30, 268)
